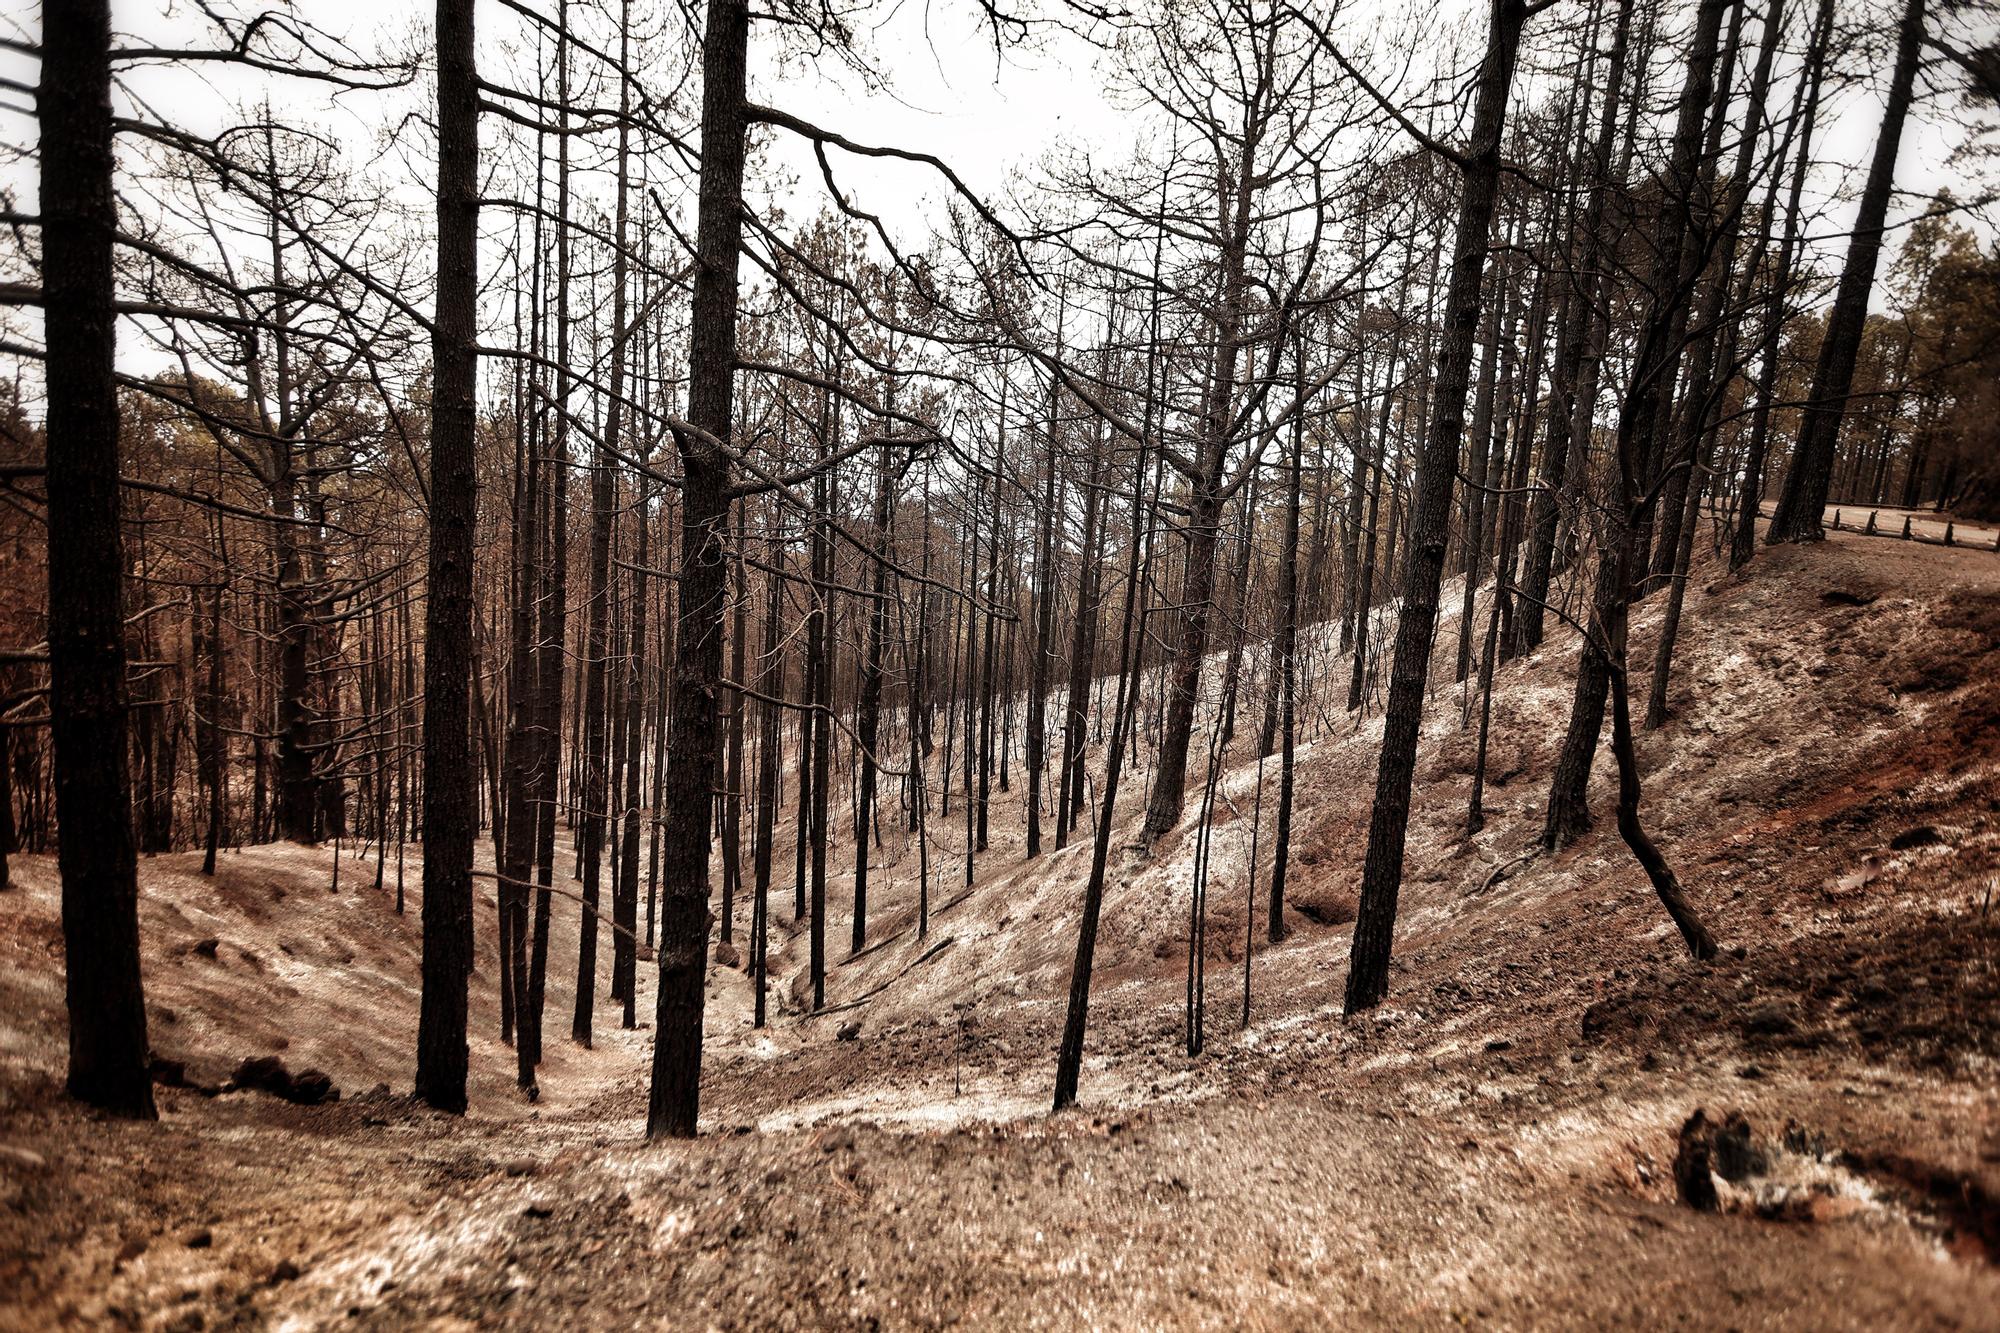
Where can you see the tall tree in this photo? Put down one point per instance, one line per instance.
(1285, 654)
(1382, 871)
(1750, 493)
(1802, 502)
(1645, 413)
(1580, 349)
(87, 699)
(675, 1097)
(450, 802)
(871, 695)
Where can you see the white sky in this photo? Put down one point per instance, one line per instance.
(992, 122)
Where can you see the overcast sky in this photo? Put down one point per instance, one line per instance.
(994, 121)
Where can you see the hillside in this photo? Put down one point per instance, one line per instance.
(1494, 1145)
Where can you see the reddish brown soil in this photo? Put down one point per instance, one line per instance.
(1493, 1146)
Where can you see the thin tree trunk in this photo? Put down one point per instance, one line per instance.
(819, 680)
(1643, 417)
(870, 722)
(1285, 649)
(771, 684)
(1038, 668)
(732, 796)
(625, 904)
(1082, 651)
(1069, 1059)
(214, 745)
(1580, 356)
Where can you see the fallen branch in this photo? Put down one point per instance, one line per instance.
(1500, 871)
(868, 995)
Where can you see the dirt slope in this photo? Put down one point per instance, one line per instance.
(1495, 1145)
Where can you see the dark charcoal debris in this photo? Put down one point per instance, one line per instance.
(1735, 1155)
(1707, 1150)
(267, 1073)
(1693, 1183)
(1800, 1141)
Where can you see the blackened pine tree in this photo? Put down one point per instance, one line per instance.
(1802, 502)
(694, 760)
(87, 698)
(449, 802)
(1430, 517)
(1643, 417)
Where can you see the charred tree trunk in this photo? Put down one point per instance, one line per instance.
(1382, 872)
(1069, 1059)
(1750, 495)
(1678, 471)
(986, 650)
(214, 745)
(870, 725)
(449, 797)
(1285, 650)
(770, 683)
(597, 816)
(596, 795)
(1474, 508)
(87, 699)
(552, 579)
(1579, 358)
(523, 753)
(675, 1096)
(1239, 602)
(1699, 425)
(1205, 502)
(732, 795)
(1038, 668)
(1802, 502)
(819, 678)
(1082, 653)
(625, 904)
(1642, 420)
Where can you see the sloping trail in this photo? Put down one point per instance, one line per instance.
(1493, 1145)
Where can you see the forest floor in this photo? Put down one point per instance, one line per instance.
(1494, 1145)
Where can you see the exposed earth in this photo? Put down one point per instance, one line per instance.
(1496, 1145)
